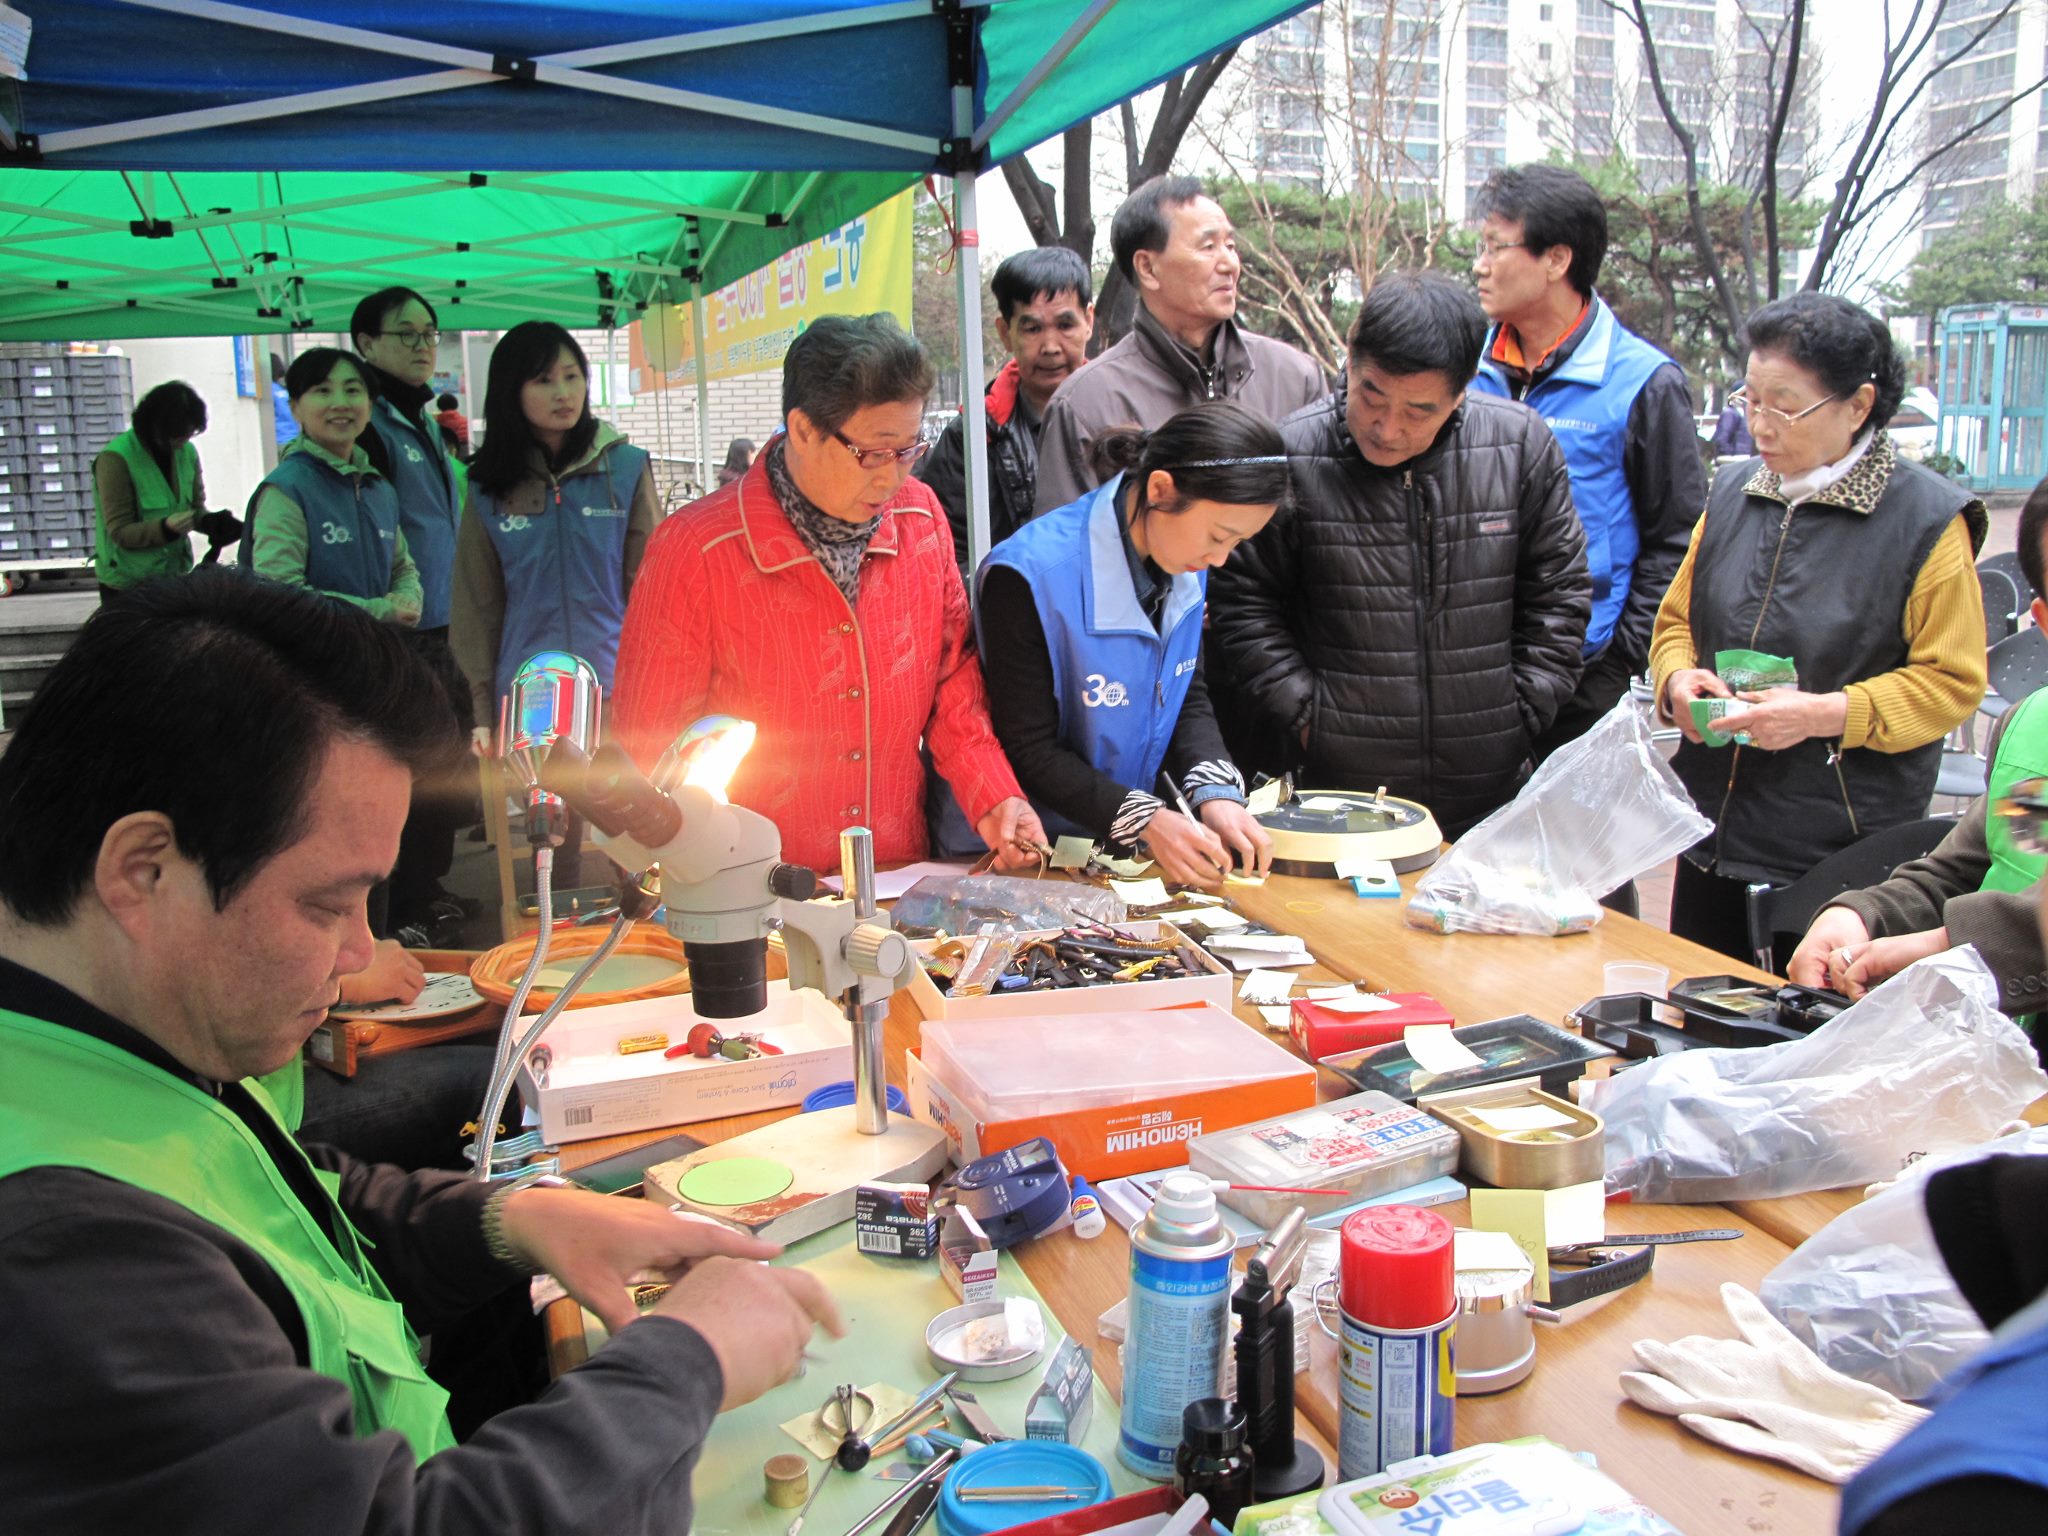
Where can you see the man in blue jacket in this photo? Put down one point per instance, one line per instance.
(1619, 408)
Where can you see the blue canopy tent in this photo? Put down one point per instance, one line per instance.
(179, 167)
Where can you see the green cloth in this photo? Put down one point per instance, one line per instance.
(70, 1101)
(2022, 754)
(155, 499)
(278, 543)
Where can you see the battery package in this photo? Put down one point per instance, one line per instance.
(895, 1219)
(1321, 1029)
(1361, 1146)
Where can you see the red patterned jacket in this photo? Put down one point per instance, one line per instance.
(732, 614)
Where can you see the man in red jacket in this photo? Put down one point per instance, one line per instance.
(817, 597)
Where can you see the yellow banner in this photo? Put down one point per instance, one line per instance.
(860, 268)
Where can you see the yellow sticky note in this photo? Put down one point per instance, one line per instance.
(1264, 799)
(1141, 893)
(1520, 1214)
(1072, 853)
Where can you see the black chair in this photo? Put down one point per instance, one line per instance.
(2018, 665)
(1785, 911)
(2003, 604)
(2008, 565)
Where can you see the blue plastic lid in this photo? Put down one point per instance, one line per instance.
(840, 1094)
(1014, 1463)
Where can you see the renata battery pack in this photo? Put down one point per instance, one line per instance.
(1359, 1023)
(895, 1219)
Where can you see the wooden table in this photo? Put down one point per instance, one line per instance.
(1573, 1396)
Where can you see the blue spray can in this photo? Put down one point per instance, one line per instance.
(1179, 1320)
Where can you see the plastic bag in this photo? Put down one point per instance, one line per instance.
(962, 903)
(1869, 1293)
(1596, 814)
(1926, 1063)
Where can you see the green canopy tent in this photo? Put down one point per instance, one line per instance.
(192, 167)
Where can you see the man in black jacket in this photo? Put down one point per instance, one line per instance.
(1045, 315)
(1415, 618)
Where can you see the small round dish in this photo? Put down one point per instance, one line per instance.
(947, 1349)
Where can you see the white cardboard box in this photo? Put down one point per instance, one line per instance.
(588, 1089)
(1214, 986)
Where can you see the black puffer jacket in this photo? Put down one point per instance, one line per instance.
(1423, 623)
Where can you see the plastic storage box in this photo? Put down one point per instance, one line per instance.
(1363, 1145)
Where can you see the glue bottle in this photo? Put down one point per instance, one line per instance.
(1179, 1316)
(1086, 1210)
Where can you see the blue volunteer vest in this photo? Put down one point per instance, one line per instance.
(565, 570)
(1990, 1426)
(429, 503)
(351, 525)
(1120, 683)
(1586, 404)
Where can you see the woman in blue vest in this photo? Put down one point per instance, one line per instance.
(1090, 627)
(559, 510)
(324, 518)
(149, 493)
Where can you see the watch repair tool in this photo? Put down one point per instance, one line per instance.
(843, 1401)
(1318, 829)
(1016, 1194)
(915, 1511)
(968, 1406)
(929, 1477)
(858, 1448)
(1283, 1465)
(1649, 1240)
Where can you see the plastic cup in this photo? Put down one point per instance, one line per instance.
(1636, 976)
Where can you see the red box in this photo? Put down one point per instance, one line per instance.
(1318, 1031)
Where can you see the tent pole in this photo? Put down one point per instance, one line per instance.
(973, 414)
(697, 335)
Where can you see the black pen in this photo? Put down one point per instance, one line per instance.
(1186, 810)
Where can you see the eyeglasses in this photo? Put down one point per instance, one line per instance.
(2023, 811)
(872, 459)
(1770, 416)
(1492, 248)
(419, 341)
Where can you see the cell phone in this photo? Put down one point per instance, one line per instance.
(627, 1170)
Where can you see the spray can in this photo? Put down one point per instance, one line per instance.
(1179, 1317)
(1397, 1301)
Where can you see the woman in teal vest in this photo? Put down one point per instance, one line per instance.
(149, 493)
(324, 518)
(1090, 629)
(556, 520)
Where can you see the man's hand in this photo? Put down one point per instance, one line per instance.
(1835, 928)
(1187, 852)
(405, 613)
(1855, 969)
(480, 741)
(756, 1318)
(1013, 833)
(1681, 688)
(393, 975)
(1778, 718)
(1241, 833)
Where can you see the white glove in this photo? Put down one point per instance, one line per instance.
(1767, 1394)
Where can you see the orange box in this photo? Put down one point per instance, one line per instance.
(1107, 1143)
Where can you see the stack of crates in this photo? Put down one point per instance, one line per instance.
(57, 411)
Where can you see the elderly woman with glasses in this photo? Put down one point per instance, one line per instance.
(1855, 564)
(817, 597)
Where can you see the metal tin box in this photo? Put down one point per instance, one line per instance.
(1566, 1151)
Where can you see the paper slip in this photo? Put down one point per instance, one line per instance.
(1279, 1017)
(1234, 878)
(1141, 893)
(1215, 918)
(1264, 799)
(1268, 987)
(1359, 1002)
(1436, 1050)
(1072, 853)
(1128, 869)
(891, 883)
(1263, 943)
(1519, 1117)
(821, 1442)
(1252, 959)
(1370, 877)
(1472, 1249)
(1331, 994)
(1323, 803)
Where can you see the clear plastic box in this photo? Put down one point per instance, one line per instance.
(1363, 1145)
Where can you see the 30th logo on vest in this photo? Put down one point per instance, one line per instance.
(336, 534)
(515, 523)
(1103, 693)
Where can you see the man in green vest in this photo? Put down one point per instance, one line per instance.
(1979, 886)
(210, 1328)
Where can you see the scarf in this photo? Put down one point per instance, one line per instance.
(1806, 485)
(838, 544)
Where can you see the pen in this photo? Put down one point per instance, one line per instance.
(1187, 810)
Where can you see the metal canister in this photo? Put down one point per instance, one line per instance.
(1179, 1320)
(1398, 1312)
(1496, 1339)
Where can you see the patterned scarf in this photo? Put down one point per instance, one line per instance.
(838, 544)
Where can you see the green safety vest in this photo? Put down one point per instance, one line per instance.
(154, 498)
(68, 1100)
(2022, 754)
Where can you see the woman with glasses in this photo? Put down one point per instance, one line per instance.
(560, 507)
(149, 494)
(1091, 628)
(1855, 564)
(817, 597)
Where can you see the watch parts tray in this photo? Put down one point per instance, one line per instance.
(1520, 1046)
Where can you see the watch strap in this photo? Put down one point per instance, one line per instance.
(1568, 1287)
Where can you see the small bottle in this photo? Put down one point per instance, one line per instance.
(1213, 1459)
(1086, 1211)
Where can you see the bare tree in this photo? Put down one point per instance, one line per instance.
(1145, 156)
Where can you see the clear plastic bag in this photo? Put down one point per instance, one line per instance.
(1924, 1064)
(1869, 1293)
(1596, 814)
(962, 903)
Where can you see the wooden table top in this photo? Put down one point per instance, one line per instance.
(1573, 1395)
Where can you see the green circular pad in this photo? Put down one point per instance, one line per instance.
(735, 1181)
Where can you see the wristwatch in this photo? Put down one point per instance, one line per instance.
(495, 1241)
(1607, 1269)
